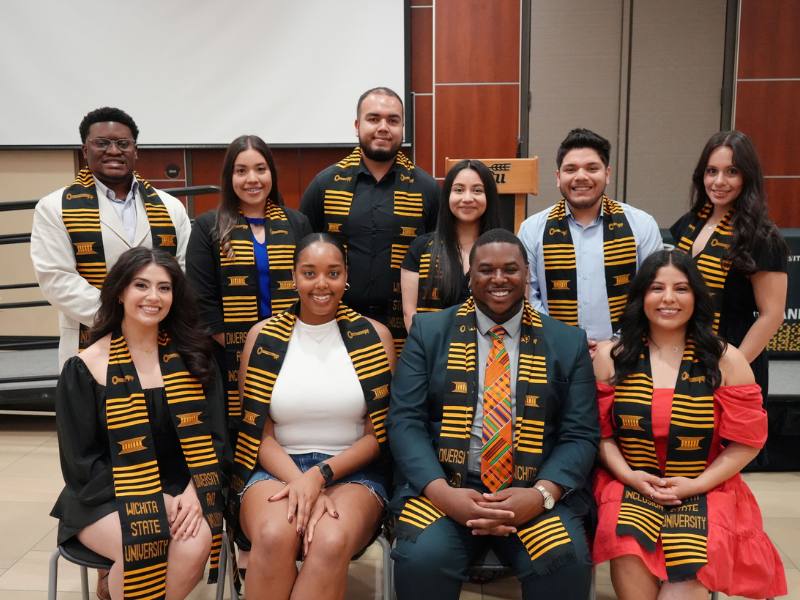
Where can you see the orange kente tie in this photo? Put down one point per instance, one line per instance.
(496, 455)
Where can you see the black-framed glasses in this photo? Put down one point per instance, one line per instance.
(105, 143)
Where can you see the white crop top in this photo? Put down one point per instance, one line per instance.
(317, 402)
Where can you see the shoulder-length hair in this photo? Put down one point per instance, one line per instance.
(445, 251)
(181, 322)
(752, 226)
(635, 326)
(228, 210)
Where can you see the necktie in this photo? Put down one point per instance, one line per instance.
(496, 455)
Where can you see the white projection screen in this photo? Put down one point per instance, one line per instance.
(196, 73)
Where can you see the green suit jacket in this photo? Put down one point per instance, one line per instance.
(571, 432)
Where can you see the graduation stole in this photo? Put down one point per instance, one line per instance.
(266, 359)
(429, 301)
(239, 286)
(619, 256)
(81, 214)
(409, 222)
(545, 536)
(137, 483)
(458, 410)
(683, 529)
(712, 260)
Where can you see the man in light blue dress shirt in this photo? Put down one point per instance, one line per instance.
(582, 176)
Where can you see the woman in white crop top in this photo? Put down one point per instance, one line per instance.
(318, 434)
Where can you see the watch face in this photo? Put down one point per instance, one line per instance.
(327, 472)
(549, 502)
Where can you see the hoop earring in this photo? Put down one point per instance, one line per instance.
(346, 285)
(294, 285)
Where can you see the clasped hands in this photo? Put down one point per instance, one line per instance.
(496, 513)
(667, 491)
(307, 503)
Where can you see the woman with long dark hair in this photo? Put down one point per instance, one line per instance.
(434, 272)
(680, 416)
(142, 434)
(308, 475)
(239, 257)
(739, 251)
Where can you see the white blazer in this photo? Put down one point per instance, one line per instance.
(54, 259)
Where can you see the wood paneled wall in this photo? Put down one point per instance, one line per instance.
(465, 79)
(768, 97)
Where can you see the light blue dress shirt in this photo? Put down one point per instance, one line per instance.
(593, 315)
(125, 208)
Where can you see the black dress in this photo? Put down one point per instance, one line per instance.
(739, 309)
(83, 446)
(412, 259)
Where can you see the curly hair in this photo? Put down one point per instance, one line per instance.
(445, 251)
(752, 227)
(107, 114)
(635, 326)
(181, 323)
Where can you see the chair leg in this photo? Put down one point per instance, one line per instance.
(232, 568)
(222, 568)
(387, 567)
(52, 583)
(714, 595)
(593, 585)
(85, 583)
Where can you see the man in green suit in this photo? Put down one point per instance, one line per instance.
(493, 429)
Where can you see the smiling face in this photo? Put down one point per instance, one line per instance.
(467, 197)
(582, 178)
(112, 165)
(722, 179)
(320, 277)
(252, 181)
(148, 297)
(497, 276)
(380, 127)
(669, 299)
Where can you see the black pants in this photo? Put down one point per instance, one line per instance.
(435, 565)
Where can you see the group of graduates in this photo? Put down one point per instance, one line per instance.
(389, 356)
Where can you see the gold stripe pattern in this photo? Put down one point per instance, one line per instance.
(543, 536)
(456, 421)
(419, 512)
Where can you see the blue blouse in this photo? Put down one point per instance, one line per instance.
(262, 266)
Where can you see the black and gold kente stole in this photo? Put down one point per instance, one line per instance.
(409, 222)
(547, 535)
(712, 260)
(137, 483)
(370, 362)
(683, 529)
(239, 283)
(81, 214)
(429, 299)
(619, 257)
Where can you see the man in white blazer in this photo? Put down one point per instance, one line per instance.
(126, 205)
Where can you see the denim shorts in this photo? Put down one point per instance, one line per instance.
(367, 477)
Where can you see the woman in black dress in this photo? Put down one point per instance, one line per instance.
(434, 272)
(239, 258)
(142, 434)
(739, 251)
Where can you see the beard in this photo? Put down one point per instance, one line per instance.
(582, 203)
(378, 155)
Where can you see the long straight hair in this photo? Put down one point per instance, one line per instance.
(228, 209)
(752, 227)
(181, 323)
(447, 271)
(635, 326)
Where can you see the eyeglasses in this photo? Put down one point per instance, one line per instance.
(105, 143)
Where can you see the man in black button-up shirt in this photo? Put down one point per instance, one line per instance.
(378, 202)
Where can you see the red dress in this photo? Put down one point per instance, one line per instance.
(741, 559)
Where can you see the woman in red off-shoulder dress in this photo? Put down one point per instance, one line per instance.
(667, 341)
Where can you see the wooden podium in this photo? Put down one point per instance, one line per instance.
(515, 176)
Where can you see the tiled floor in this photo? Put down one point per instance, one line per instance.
(31, 480)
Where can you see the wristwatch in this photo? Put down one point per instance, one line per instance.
(549, 501)
(327, 472)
